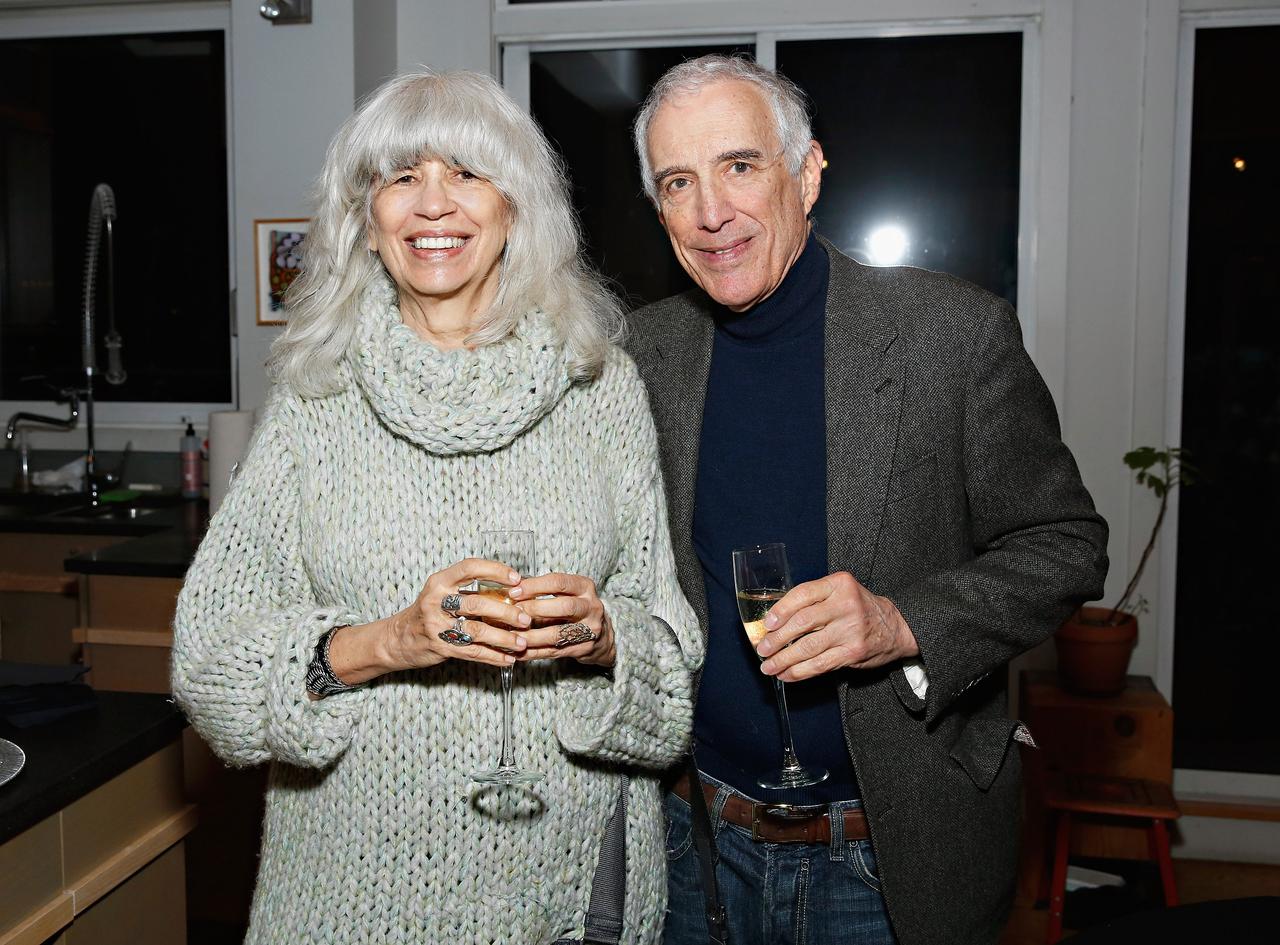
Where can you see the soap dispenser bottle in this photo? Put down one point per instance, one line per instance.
(189, 448)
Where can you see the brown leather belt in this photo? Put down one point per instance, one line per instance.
(780, 823)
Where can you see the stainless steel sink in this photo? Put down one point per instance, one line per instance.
(74, 506)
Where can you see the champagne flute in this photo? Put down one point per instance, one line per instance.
(513, 548)
(761, 576)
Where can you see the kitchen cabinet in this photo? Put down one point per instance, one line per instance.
(92, 830)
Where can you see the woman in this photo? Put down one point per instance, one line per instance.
(445, 370)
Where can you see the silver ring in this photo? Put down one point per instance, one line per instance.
(455, 635)
(451, 604)
(572, 634)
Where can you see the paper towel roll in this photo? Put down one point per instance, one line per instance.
(229, 433)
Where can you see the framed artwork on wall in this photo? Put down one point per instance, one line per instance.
(277, 256)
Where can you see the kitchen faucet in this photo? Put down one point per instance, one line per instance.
(102, 213)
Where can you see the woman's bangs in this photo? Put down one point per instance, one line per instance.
(422, 127)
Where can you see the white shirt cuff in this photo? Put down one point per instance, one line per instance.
(917, 678)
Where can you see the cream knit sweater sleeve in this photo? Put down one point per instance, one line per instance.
(642, 713)
(247, 623)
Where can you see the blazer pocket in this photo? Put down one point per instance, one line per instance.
(982, 747)
(920, 476)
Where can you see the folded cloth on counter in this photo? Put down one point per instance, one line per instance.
(32, 694)
(69, 476)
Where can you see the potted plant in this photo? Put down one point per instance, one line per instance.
(1094, 644)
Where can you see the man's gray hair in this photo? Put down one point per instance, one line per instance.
(464, 119)
(787, 102)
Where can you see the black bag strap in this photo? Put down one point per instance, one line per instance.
(704, 842)
(609, 885)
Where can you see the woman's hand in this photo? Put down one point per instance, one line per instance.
(412, 639)
(570, 623)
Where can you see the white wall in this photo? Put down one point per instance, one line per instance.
(291, 87)
(374, 34)
(1106, 138)
(445, 34)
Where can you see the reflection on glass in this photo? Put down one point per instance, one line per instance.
(585, 101)
(887, 246)
(921, 133)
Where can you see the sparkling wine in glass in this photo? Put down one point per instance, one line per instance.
(514, 549)
(761, 576)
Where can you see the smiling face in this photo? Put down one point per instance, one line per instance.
(440, 231)
(736, 217)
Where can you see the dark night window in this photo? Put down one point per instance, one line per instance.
(1230, 409)
(586, 101)
(145, 114)
(921, 133)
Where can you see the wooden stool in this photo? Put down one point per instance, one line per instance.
(1068, 794)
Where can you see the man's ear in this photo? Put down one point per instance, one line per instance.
(811, 176)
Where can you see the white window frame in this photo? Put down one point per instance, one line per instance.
(1188, 779)
(116, 19)
(522, 37)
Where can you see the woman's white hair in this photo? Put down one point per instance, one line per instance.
(467, 120)
(786, 101)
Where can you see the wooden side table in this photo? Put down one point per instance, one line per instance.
(1128, 735)
(1148, 804)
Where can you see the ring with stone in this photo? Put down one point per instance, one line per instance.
(451, 604)
(455, 635)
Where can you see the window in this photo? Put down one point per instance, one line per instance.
(585, 101)
(146, 114)
(1230, 408)
(923, 135)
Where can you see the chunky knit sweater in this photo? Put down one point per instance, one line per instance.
(345, 506)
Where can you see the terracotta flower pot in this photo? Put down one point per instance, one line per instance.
(1093, 657)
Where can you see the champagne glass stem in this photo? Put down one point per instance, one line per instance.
(789, 760)
(508, 748)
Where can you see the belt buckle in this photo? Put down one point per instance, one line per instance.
(783, 811)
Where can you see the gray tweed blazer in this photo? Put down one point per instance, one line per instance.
(950, 491)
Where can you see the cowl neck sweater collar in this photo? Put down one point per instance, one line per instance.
(460, 401)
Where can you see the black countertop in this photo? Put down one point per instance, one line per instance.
(165, 552)
(68, 758)
(163, 530)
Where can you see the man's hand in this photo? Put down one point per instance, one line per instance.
(832, 623)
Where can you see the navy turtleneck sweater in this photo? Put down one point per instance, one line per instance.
(762, 476)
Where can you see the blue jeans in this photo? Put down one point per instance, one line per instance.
(773, 893)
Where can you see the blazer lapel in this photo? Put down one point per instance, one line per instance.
(683, 359)
(863, 386)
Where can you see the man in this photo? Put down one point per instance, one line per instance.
(889, 427)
